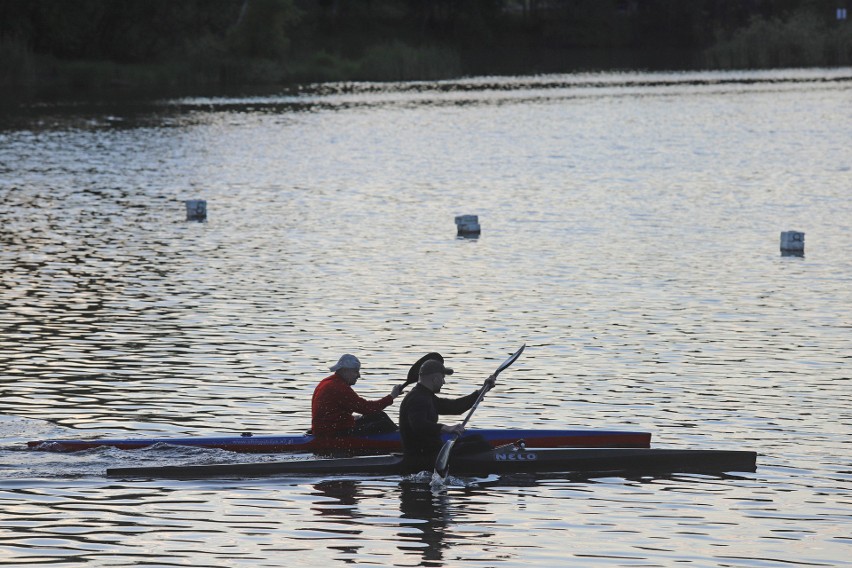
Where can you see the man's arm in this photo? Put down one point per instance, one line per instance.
(355, 403)
(465, 403)
(456, 405)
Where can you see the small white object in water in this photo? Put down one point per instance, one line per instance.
(467, 224)
(196, 209)
(793, 242)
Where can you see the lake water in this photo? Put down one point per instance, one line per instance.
(630, 237)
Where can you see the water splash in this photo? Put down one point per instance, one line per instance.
(437, 483)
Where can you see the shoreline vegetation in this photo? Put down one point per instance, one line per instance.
(94, 46)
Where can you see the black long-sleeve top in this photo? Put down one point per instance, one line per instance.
(418, 424)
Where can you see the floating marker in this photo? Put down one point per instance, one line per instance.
(196, 210)
(792, 243)
(468, 225)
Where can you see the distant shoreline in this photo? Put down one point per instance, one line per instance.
(51, 48)
(49, 78)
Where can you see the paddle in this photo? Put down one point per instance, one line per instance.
(442, 463)
(414, 371)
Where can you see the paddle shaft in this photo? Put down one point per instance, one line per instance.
(405, 384)
(442, 462)
(483, 390)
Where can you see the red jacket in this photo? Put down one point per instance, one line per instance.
(333, 403)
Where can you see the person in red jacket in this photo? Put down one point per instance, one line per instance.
(335, 401)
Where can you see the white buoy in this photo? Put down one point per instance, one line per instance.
(196, 210)
(792, 242)
(467, 225)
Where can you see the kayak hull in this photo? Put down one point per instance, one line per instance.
(378, 443)
(511, 460)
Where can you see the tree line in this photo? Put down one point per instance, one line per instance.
(239, 41)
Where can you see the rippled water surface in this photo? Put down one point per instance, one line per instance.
(630, 236)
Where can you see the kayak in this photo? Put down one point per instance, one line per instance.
(377, 443)
(512, 459)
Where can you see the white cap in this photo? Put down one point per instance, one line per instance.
(347, 361)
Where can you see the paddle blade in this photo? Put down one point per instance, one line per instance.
(442, 462)
(510, 360)
(414, 371)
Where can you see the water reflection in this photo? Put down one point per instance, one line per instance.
(429, 511)
(343, 496)
(425, 516)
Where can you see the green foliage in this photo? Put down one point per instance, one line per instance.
(67, 29)
(17, 62)
(400, 62)
(582, 23)
(394, 61)
(94, 44)
(323, 66)
(838, 46)
(264, 29)
(117, 30)
(673, 23)
(804, 39)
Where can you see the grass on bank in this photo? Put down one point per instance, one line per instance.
(208, 63)
(803, 40)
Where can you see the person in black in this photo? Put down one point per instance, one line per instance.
(418, 417)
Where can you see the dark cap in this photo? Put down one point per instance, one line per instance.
(433, 366)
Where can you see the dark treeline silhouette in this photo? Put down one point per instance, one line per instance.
(273, 41)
